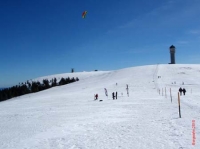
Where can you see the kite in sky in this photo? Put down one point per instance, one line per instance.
(84, 14)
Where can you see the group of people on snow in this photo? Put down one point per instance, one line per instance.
(114, 95)
(182, 90)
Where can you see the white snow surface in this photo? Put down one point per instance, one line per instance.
(68, 117)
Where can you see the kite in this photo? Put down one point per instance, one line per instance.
(84, 14)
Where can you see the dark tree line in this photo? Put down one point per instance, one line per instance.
(33, 87)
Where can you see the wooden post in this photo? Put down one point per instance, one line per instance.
(171, 95)
(179, 106)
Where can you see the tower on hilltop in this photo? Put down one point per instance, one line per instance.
(172, 54)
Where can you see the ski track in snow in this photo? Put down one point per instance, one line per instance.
(67, 117)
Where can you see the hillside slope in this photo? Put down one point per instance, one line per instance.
(67, 117)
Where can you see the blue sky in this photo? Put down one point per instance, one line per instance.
(44, 37)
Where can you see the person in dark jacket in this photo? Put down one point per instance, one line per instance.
(116, 95)
(180, 90)
(184, 91)
(113, 95)
(96, 96)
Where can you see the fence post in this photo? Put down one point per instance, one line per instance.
(171, 95)
(179, 106)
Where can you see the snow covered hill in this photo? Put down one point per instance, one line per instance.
(67, 117)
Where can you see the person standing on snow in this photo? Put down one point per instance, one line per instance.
(116, 95)
(106, 92)
(113, 95)
(184, 90)
(95, 96)
(180, 90)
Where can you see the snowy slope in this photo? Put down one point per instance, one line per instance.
(67, 117)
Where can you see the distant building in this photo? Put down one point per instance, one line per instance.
(172, 54)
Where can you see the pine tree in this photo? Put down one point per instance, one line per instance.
(54, 83)
(46, 84)
(62, 81)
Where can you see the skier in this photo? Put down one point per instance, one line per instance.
(180, 90)
(184, 90)
(116, 95)
(106, 92)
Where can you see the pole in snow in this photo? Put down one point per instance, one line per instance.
(179, 106)
(171, 95)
